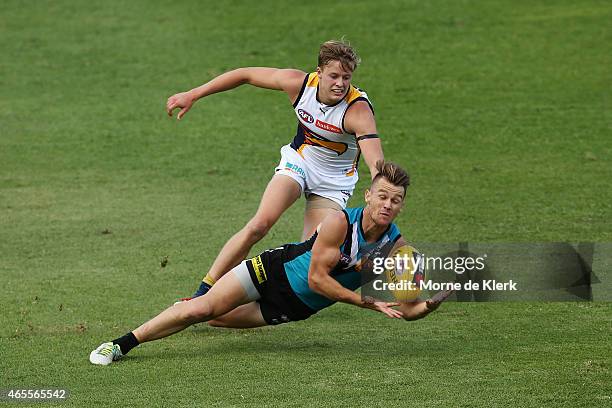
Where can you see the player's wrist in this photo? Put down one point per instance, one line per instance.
(367, 302)
(195, 94)
(436, 300)
(430, 305)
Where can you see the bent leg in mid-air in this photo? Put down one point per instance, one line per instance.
(282, 191)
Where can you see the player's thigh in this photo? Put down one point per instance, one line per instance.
(225, 295)
(282, 191)
(317, 208)
(242, 317)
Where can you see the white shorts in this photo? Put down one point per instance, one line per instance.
(336, 188)
(241, 271)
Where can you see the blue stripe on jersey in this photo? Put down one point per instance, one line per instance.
(345, 273)
(299, 138)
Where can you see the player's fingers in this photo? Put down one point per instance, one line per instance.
(394, 314)
(182, 113)
(392, 304)
(171, 107)
(170, 101)
(388, 311)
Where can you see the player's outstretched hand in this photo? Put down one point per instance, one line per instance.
(435, 301)
(386, 308)
(182, 101)
(382, 307)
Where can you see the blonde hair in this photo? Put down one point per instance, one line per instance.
(339, 50)
(393, 173)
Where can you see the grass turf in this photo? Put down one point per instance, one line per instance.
(501, 110)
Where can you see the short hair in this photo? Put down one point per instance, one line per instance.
(339, 50)
(393, 173)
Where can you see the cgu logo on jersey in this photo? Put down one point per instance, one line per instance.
(306, 117)
(328, 127)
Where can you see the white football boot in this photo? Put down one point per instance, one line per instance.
(105, 354)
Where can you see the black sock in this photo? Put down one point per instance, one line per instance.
(127, 342)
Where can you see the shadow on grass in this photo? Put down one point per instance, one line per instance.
(285, 345)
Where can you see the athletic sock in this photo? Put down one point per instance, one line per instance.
(205, 286)
(208, 279)
(202, 290)
(127, 342)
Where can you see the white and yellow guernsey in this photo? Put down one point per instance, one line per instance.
(321, 138)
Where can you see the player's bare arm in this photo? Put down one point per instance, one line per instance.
(360, 120)
(325, 255)
(286, 80)
(420, 309)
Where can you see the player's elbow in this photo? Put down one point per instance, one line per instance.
(250, 75)
(314, 282)
(241, 75)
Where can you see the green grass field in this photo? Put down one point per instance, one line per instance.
(501, 111)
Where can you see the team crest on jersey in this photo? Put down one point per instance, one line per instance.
(327, 126)
(345, 260)
(306, 117)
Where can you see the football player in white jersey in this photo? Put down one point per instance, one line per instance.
(336, 126)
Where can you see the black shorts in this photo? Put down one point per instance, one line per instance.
(278, 303)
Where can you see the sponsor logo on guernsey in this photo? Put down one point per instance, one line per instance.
(294, 168)
(328, 127)
(306, 117)
(259, 269)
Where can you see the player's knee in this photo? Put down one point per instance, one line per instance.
(257, 228)
(200, 312)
